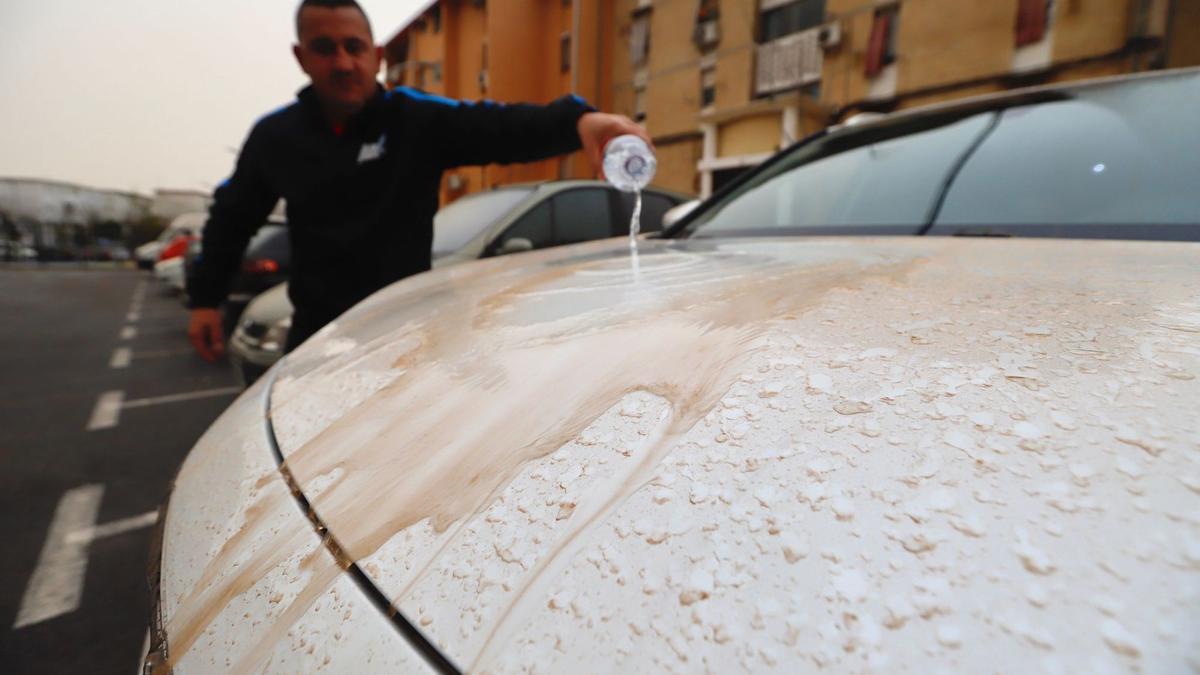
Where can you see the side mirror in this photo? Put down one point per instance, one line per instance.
(676, 213)
(515, 245)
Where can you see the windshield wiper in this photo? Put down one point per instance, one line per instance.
(936, 209)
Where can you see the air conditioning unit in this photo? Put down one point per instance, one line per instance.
(830, 35)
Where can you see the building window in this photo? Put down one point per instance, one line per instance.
(639, 105)
(707, 31)
(435, 17)
(881, 46)
(564, 52)
(708, 87)
(1033, 18)
(639, 40)
(779, 19)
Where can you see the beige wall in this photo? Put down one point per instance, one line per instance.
(735, 62)
(673, 88)
(735, 79)
(750, 135)
(1184, 35)
(677, 165)
(941, 42)
(1089, 28)
(842, 77)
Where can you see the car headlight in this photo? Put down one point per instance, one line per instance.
(276, 336)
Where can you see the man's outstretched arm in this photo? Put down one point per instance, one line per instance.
(240, 205)
(463, 133)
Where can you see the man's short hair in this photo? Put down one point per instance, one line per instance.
(331, 4)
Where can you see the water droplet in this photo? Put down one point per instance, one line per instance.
(1119, 639)
(820, 382)
(1034, 559)
(850, 585)
(795, 547)
(949, 636)
(843, 508)
(1027, 431)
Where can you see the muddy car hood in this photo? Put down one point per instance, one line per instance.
(763, 454)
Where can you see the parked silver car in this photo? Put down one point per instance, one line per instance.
(505, 220)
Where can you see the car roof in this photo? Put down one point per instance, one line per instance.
(1007, 98)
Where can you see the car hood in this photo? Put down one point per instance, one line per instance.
(764, 454)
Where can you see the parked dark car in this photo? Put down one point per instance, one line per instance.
(266, 263)
(505, 220)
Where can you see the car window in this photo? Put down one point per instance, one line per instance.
(1109, 160)
(887, 182)
(582, 215)
(460, 222)
(534, 226)
(654, 206)
(271, 241)
(1114, 155)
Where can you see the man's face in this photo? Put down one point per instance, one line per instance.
(338, 54)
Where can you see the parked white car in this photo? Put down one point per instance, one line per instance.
(188, 223)
(743, 449)
(170, 272)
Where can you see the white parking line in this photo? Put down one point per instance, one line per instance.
(107, 411)
(176, 398)
(90, 534)
(133, 316)
(128, 332)
(57, 582)
(121, 358)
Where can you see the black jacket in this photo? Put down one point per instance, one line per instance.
(360, 205)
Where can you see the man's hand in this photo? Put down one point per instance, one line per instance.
(597, 129)
(205, 333)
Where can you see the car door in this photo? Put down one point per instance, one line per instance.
(567, 217)
(536, 227)
(582, 214)
(654, 206)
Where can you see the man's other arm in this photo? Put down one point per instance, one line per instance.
(240, 205)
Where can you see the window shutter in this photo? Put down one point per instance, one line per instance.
(877, 44)
(1031, 21)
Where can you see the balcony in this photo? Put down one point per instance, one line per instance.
(789, 62)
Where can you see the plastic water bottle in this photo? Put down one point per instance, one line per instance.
(629, 163)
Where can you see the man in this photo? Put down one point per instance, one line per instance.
(360, 169)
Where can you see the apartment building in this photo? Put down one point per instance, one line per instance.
(722, 84)
(507, 50)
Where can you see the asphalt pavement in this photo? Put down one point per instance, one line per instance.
(100, 400)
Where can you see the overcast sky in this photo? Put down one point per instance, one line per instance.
(140, 94)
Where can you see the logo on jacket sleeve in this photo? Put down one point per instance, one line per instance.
(372, 151)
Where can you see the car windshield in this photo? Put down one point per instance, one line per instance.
(1115, 160)
(459, 222)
